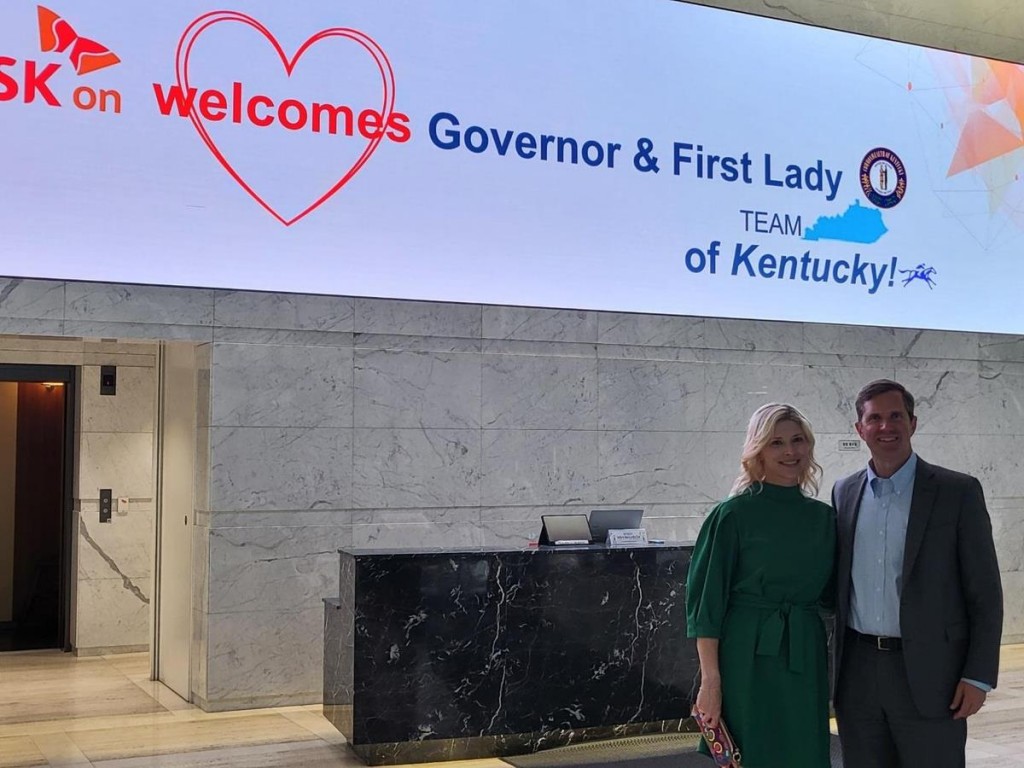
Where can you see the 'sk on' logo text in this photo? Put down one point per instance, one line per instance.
(56, 35)
(236, 103)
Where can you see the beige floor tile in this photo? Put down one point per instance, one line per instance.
(316, 724)
(18, 751)
(134, 666)
(59, 750)
(174, 735)
(57, 686)
(316, 755)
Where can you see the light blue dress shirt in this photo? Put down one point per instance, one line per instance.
(876, 582)
(877, 572)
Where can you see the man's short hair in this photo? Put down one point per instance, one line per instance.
(880, 387)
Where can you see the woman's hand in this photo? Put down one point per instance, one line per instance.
(709, 702)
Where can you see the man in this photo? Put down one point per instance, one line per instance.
(919, 607)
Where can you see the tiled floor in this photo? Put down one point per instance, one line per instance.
(58, 710)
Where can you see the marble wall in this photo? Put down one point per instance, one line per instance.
(114, 435)
(335, 421)
(391, 423)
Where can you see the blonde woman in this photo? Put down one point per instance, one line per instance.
(761, 569)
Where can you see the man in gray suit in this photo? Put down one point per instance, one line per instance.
(919, 606)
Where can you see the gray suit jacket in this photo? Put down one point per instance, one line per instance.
(951, 604)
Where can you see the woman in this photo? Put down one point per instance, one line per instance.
(760, 571)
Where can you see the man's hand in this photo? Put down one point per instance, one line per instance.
(967, 700)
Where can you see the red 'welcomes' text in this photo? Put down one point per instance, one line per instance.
(262, 111)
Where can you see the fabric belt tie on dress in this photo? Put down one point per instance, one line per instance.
(783, 616)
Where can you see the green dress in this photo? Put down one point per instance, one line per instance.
(760, 573)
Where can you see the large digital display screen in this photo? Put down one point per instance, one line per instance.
(633, 155)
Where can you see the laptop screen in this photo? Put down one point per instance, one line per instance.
(604, 520)
(565, 528)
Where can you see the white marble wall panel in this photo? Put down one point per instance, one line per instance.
(280, 468)
(201, 474)
(281, 338)
(945, 401)
(120, 547)
(112, 612)
(198, 660)
(1000, 403)
(144, 304)
(413, 535)
(262, 385)
(650, 330)
(1000, 347)
(121, 461)
(265, 658)
(535, 324)
(1008, 531)
(399, 388)
(540, 466)
(393, 342)
(988, 458)
(837, 463)
(31, 306)
(273, 569)
(639, 468)
(1013, 607)
(31, 299)
(522, 392)
(753, 335)
(517, 526)
(828, 394)
(283, 311)
(890, 342)
(150, 331)
(419, 318)
(675, 522)
(132, 409)
(551, 349)
(650, 395)
(416, 468)
(734, 392)
(722, 455)
(200, 564)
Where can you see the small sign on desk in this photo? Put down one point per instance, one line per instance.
(627, 537)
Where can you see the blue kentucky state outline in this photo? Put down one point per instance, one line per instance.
(856, 224)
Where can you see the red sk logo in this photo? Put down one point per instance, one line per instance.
(55, 34)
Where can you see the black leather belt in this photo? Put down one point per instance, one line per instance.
(879, 643)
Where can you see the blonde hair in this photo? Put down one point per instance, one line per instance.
(759, 434)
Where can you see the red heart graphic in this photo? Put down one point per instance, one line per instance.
(204, 22)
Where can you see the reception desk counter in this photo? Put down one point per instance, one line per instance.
(444, 655)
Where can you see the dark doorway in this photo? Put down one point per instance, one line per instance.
(36, 444)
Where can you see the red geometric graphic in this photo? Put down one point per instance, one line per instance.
(206, 21)
(55, 34)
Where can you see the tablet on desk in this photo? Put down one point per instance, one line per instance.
(564, 529)
(604, 520)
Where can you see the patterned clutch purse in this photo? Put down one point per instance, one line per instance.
(724, 750)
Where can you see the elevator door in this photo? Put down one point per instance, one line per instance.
(35, 505)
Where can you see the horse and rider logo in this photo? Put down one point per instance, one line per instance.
(920, 272)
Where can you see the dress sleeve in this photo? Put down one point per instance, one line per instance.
(710, 576)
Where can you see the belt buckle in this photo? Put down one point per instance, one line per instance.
(880, 643)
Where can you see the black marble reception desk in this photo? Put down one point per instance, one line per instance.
(444, 655)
